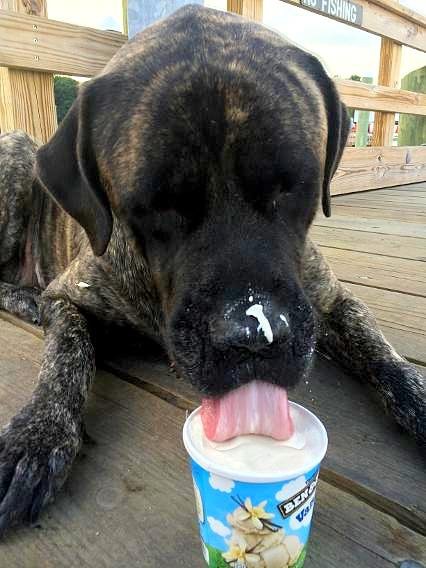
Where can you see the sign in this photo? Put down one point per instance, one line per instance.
(290, 506)
(345, 10)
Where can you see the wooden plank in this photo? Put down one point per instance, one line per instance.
(33, 8)
(394, 6)
(129, 500)
(252, 9)
(384, 272)
(368, 212)
(386, 19)
(378, 97)
(380, 226)
(27, 99)
(60, 47)
(417, 191)
(388, 198)
(401, 317)
(373, 168)
(355, 525)
(346, 239)
(383, 203)
(389, 75)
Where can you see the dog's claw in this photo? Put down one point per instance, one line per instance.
(33, 466)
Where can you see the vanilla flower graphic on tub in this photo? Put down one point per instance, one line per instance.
(257, 542)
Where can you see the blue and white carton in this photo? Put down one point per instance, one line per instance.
(255, 521)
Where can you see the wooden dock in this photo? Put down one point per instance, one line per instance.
(129, 501)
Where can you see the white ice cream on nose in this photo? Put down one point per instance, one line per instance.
(284, 319)
(257, 312)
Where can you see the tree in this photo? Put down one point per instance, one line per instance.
(65, 92)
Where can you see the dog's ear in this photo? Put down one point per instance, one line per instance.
(68, 170)
(338, 130)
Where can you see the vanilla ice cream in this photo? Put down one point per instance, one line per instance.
(263, 455)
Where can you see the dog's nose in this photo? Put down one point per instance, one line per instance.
(254, 327)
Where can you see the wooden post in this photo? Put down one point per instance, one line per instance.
(252, 9)
(125, 17)
(361, 138)
(389, 75)
(412, 128)
(27, 99)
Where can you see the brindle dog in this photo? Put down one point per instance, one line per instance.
(182, 181)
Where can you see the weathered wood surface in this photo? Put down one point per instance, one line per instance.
(378, 167)
(27, 99)
(376, 243)
(388, 19)
(378, 271)
(47, 45)
(401, 317)
(27, 103)
(252, 9)
(380, 98)
(386, 211)
(129, 499)
(380, 226)
(410, 248)
(389, 75)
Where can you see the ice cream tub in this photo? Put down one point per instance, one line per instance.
(255, 495)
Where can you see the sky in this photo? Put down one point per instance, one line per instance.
(343, 50)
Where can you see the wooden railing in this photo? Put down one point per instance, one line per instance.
(33, 47)
(380, 165)
(31, 42)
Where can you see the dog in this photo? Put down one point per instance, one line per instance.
(182, 182)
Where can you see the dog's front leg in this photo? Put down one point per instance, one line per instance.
(349, 333)
(38, 446)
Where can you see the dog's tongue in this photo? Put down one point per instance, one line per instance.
(255, 408)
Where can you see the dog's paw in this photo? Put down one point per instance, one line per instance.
(36, 453)
(28, 305)
(403, 389)
(23, 303)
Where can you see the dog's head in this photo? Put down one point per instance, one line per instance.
(212, 141)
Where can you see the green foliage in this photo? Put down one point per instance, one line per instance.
(355, 78)
(65, 92)
(216, 558)
(301, 560)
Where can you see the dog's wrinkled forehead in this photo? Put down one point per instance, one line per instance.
(227, 90)
(219, 137)
(229, 105)
(214, 129)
